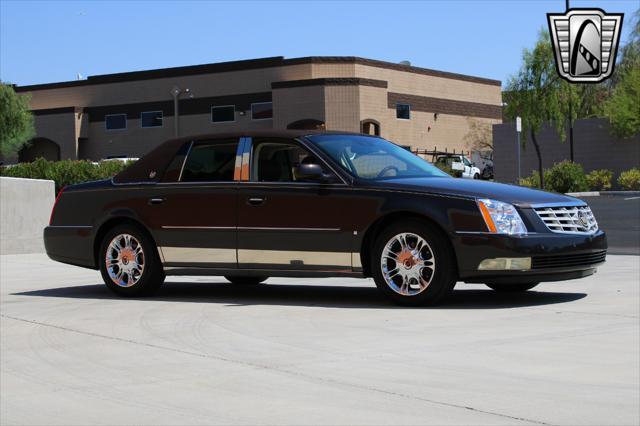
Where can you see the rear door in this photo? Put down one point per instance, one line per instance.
(288, 224)
(196, 213)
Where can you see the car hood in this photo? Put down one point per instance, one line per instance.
(518, 195)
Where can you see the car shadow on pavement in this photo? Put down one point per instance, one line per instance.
(472, 297)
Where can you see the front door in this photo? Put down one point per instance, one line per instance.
(198, 210)
(286, 223)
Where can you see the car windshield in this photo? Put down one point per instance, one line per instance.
(374, 158)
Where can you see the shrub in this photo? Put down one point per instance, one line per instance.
(599, 180)
(630, 179)
(566, 176)
(562, 177)
(532, 181)
(65, 172)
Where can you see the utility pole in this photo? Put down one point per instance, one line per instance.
(176, 92)
(518, 130)
(567, 6)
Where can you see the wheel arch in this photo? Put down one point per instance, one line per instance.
(110, 224)
(381, 223)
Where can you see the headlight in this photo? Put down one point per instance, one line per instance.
(501, 218)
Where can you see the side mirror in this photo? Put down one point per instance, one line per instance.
(310, 172)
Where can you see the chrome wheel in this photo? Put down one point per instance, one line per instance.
(125, 260)
(408, 264)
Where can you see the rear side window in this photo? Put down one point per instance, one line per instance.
(210, 162)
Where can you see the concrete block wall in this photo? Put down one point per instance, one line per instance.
(25, 208)
(594, 148)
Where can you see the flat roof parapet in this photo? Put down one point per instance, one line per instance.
(250, 64)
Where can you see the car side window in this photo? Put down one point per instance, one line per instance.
(210, 162)
(276, 160)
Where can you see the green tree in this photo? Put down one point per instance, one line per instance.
(623, 108)
(16, 121)
(538, 95)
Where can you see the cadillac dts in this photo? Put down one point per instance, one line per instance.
(254, 205)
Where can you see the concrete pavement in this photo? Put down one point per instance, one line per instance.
(324, 351)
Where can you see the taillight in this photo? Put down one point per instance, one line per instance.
(54, 205)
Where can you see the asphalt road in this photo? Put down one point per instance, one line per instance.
(325, 351)
(619, 217)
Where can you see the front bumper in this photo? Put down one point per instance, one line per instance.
(554, 256)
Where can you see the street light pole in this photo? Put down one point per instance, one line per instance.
(176, 92)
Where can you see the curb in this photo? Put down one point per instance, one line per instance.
(603, 193)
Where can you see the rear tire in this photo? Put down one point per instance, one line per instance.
(245, 280)
(129, 262)
(512, 288)
(413, 263)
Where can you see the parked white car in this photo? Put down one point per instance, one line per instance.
(461, 164)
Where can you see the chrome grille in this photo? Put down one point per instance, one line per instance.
(568, 219)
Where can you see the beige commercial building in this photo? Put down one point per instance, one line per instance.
(127, 114)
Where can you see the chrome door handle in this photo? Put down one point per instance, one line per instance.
(256, 201)
(156, 201)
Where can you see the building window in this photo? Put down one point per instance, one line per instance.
(223, 114)
(115, 122)
(262, 111)
(403, 111)
(151, 119)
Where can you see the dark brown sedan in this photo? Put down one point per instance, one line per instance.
(256, 205)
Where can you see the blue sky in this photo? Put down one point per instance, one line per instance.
(52, 41)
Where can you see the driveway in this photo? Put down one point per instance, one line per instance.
(324, 351)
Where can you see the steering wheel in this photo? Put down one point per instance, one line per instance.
(386, 169)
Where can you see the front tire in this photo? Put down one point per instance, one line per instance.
(512, 288)
(129, 262)
(245, 280)
(413, 264)
(476, 176)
